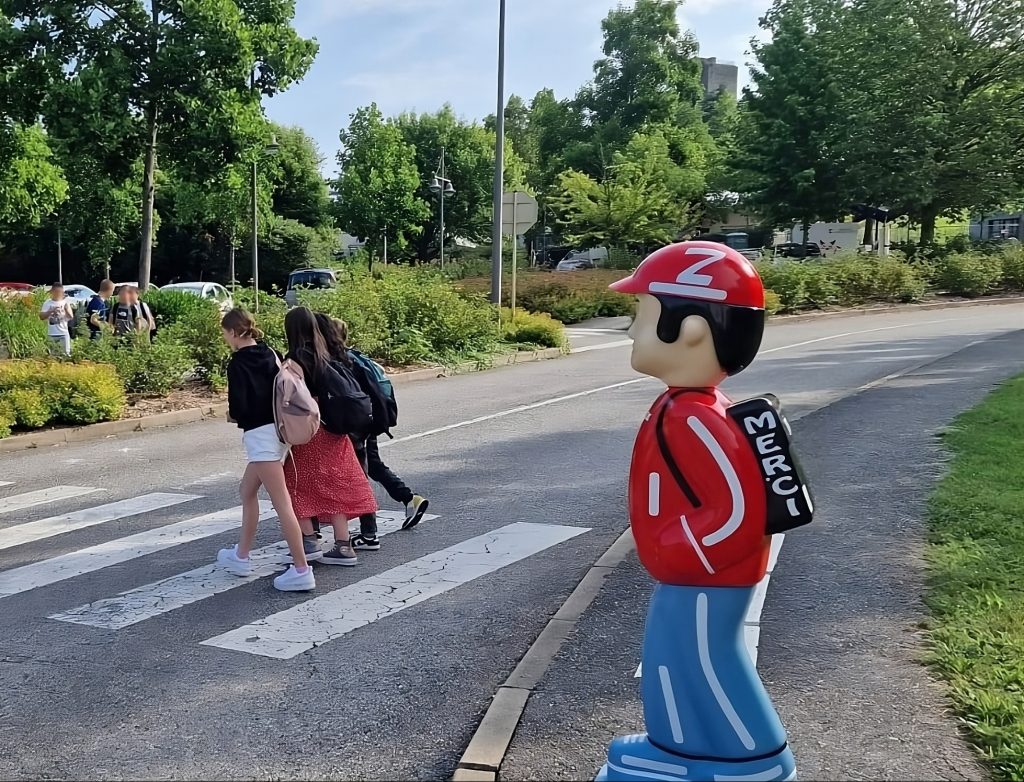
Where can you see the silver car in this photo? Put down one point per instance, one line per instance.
(207, 290)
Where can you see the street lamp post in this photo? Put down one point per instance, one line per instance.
(269, 150)
(499, 162)
(441, 186)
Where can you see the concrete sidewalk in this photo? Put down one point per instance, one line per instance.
(841, 643)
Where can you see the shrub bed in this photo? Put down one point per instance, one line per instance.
(36, 393)
(532, 330)
(22, 334)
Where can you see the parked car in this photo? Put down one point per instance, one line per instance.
(797, 250)
(574, 265)
(119, 285)
(18, 288)
(308, 279)
(80, 293)
(206, 290)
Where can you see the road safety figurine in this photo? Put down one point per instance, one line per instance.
(709, 483)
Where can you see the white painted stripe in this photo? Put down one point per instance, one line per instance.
(631, 772)
(653, 765)
(751, 639)
(645, 379)
(773, 556)
(322, 619)
(757, 601)
(687, 291)
(653, 494)
(170, 594)
(114, 552)
(761, 776)
(89, 517)
(693, 542)
(704, 653)
(731, 478)
(620, 343)
(670, 704)
(43, 496)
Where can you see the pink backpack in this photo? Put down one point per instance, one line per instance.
(296, 413)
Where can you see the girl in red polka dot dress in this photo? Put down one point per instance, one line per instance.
(324, 477)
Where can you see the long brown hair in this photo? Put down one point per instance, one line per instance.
(241, 323)
(305, 342)
(333, 338)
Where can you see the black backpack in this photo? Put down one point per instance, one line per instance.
(344, 406)
(385, 411)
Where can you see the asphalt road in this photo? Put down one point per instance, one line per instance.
(387, 679)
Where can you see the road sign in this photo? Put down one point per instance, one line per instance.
(518, 213)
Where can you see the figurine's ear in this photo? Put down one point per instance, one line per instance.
(695, 330)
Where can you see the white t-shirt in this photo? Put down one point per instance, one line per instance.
(58, 320)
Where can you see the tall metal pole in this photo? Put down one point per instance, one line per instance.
(255, 240)
(499, 161)
(444, 182)
(60, 256)
(255, 221)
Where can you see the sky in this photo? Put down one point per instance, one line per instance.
(417, 55)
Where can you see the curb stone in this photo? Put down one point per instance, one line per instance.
(83, 434)
(486, 750)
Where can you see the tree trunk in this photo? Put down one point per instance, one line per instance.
(928, 218)
(806, 228)
(149, 175)
(148, 198)
(869, 232)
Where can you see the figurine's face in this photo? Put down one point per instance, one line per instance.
(689, 362)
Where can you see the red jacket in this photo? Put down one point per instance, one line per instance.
(696, 499)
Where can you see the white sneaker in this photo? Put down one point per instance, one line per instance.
(228, 557)
(294, 581)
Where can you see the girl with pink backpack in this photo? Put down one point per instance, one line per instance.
(252, 376)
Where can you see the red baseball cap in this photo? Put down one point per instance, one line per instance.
(697, 270)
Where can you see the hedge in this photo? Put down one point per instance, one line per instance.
(35, 393)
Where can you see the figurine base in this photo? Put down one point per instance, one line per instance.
(635, 759)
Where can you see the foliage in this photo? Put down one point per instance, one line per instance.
(194, 324)
(171, 306)
(976, 591)
(969, 274)
(299, 190)
(409, 316)
(532, 329)
(22, 333)
(1013, 267)
(377, 188)
(37, 393)
(121, 84)
(32, 186)
(144, 368)
(637, 202)
(469, 164)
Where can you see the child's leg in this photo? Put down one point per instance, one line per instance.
(340, 524)
(249, 490)
(272, 476)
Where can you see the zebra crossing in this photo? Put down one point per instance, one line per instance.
(319, 618)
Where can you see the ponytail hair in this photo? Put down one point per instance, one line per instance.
(241, 323)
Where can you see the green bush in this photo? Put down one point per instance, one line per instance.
(22, 333)
(1013, 267)
(772, 303)
(144, 368)
(170, 307)
(200, 333)
(404, 316)
(37, 392)
(969, 274)
(532, 329)
(897, 280)
(787, 281)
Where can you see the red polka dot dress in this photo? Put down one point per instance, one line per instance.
(324, 478)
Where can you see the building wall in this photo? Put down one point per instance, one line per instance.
(719, 76)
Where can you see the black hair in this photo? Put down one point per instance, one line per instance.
(305, 342)
(736, 331)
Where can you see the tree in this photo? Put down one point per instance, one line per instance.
(635, 204)
(300, 192)
(469, 164)
(936, 122)
(785, 169)
(120, 79)
(377, 188)
(32, 185)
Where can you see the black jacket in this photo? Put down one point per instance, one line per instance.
(251, 374)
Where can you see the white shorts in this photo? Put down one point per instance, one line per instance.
(262, 445)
